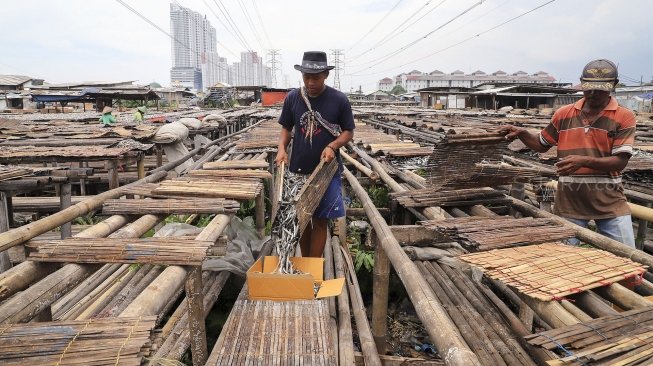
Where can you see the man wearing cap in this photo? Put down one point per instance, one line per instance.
(595, 139)
(323, 122)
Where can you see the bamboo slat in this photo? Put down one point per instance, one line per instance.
(13, 171)
(275, 333)
(236, 164)
(110, 341)
(623, 339)
(246, 173)
(9, 153)
(241, 188)
(551, 271)
(428, 197)
(169, 206)
(482, 233)
(169, 251)
(312, 191)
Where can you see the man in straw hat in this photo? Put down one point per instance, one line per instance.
(595, 139)
(107, 119)
(323, 122)
(139, 114)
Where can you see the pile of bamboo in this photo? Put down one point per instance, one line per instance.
(552, 270)
(111, 341)
(229, 173)
(33, 153)
(455, 158)
(428, 197)
(237, 164)
(169, 206)
(486, 333)
(483, 233)
(624, 339)
(234, 188)
(13, 171)
(168, 251)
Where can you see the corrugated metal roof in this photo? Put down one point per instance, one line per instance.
(14, 79)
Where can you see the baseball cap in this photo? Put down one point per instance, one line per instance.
(599, 75)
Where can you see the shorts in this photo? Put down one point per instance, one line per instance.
(331, 205)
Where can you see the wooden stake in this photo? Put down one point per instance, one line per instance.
(380, 284)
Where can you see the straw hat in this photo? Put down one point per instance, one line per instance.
(107, 109)
(142, 109)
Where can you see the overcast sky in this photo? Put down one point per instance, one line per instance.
(78, 40)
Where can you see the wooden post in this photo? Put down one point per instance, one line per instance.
(159, 156)
(517, 190)
(82, 181)
(259, 207)
(112, 169)
(5, 263)
(141, 166)
(196, 316)
(380, 284)
(65, 202)
(642, 230)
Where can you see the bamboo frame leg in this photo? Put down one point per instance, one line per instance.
(159, 156)
(82, 182)
(196, 324)
(259, 207)
(65, 200)
(642, 230)
(140, 165)
(345, 337)
(380, 284)
(113, 174)
(5, 263)
(517, 190)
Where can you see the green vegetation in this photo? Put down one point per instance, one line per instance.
(398, 89)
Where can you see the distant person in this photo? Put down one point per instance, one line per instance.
(323, 122)
(107, 119)
(595, 141)
(139, 115)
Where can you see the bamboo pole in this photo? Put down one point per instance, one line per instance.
(5, 262)
(329, 274)
(36, 298)
(587, 235)
(380, 284)
(155, 296)
(593, 305)
(439, 326)
(551, 311)
(622, 297)
(362, 168)
(21, 234)
(28, 272)
(345, 337)
(370, 353)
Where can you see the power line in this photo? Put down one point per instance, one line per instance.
(376, 25)
(248, 18)
(258, 15)
(393, 33)
(400, 50)
(231, 23)
(462, 41)
(337, 53)
(221, 23)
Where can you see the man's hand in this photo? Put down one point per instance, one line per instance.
(328, 154)
(511, 132)
(282, 156)
(570, 164)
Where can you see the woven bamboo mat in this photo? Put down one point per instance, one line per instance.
(237, 173)
(428, 197)
(237, 164)
(169, 251)
(481, 234)
(275, 333)
(551, 271)
(107, 341)
(169, 206)
(624, 339)
(223, 187)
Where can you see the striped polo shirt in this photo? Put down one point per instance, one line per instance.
(589, 193)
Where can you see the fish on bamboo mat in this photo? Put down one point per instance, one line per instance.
(624, 339)
(485, 233)
(169, 206)
(551, 271)
(105, 341)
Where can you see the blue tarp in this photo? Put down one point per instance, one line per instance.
(646, 96)
(48, 98)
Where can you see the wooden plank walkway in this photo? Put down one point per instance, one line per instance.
(275, 333)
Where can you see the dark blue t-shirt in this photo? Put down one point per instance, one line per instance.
(334, 107)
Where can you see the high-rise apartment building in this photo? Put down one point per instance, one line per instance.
(250, 71)
(193, 39)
